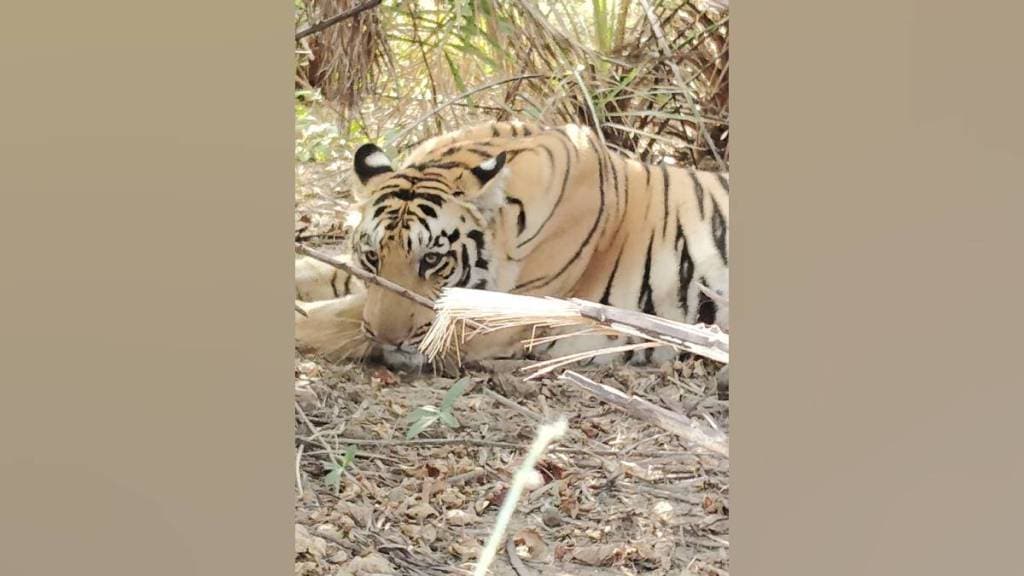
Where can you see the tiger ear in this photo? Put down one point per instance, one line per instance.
(369, 162)
(491, 176)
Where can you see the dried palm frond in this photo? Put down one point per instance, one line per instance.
(491, 311)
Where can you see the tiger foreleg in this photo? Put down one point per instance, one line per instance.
(332, 328)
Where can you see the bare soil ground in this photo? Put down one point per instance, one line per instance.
(616, 495)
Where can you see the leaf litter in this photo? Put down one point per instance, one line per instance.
(615, 496)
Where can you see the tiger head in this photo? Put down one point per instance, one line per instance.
(424, 226)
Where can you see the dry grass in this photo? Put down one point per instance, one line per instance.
(647, 74)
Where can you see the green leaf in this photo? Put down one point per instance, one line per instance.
(350, 455)
(454, 392)
(419, 426)
(448, 420)
(336, 468)
(420, 413)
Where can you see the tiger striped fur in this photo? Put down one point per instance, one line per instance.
(515, 207)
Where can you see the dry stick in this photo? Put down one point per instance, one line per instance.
(492, 444)
(328, 22)
(656, 326)
(678, 424)
(365, 276)
(546, 434)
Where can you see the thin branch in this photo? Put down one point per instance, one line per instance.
(678, 424)
(546, 434)
(481, 443)
(327, 23)
(365, 276)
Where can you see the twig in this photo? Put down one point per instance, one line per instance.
(328, 22)
(365, 276)
(658, 328)
(678, 424)
(494, 444)
(301, 311)
(298, 469)
(546, 434)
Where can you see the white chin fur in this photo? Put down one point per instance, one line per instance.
(399, 360)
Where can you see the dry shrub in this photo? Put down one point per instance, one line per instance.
(651, 76)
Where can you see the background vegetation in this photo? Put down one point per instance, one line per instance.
(651, 76)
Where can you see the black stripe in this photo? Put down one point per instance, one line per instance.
(707, 310)
(646, 302)
(615, 181)
(445, 165)
(542, 281)
(348, 285)
(334, 278)
(664, 219)
(427, 210)
(699, 190)
(719, 230)
(464, 279)
(611, 278)
(482, 152)
(586, 241)
(427, 177)
(423, 221)
(521, 217)
(685, 277)
(561, 194)
(477, 237)
(722, 181)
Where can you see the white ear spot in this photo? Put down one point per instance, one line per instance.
(377, 160)
(489, 164)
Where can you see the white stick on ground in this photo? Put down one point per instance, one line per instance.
(689, 430)
(546, 434)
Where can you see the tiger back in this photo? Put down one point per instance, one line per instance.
(520, 208)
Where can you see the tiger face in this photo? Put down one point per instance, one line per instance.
(424, 227)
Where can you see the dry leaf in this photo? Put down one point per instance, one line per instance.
(372, 564)
(530, 545)
(421, 511)
(461, 517)
(600, 555)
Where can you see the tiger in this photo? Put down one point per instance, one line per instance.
(521, 208)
